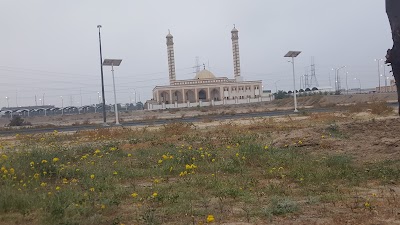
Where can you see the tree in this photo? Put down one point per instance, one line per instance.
(139, 106)
(393, 55)
(280, 95)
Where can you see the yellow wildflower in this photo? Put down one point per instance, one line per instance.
(12, 171)
(58, 188)
(134, 195)
(44, 161)
(266, 147)
(154, 194)
(43, 184)
(91, 189)
(65, 181)
(3, 168)
(129, 155)
(4, 157)
(160, 161)
(115, 173)
(36, 176)
(210, 218)
(32, 163)
(56, 159)
(92, 176)
(181, 174)
(103, 206)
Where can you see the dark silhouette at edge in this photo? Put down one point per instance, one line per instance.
(393, 55)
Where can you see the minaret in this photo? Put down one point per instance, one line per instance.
(171, 58)
(235, 49)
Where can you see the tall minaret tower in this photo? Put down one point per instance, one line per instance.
(171, 58)
(235, 49)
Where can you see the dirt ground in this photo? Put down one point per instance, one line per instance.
(364, 136)
(283, 104)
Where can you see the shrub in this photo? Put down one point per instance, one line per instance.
(281, 206)
(18, 121)
(380, 108)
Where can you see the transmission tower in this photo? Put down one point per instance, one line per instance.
(313, 78)
(197, 65)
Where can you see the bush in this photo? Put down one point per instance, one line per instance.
(18, 121)
(281, 206)
(281, 95)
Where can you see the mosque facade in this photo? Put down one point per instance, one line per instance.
(205, 89)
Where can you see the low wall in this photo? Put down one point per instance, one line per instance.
(202, 104)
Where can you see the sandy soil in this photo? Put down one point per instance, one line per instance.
(303, 102)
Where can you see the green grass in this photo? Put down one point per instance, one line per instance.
(186, 174)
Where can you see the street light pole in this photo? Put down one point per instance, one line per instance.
(294, 87)
(379, 73)
(293, 54)
(8, 103)
(384, 74)
(115, 97)
(276, 86)
(337, 79)
(102, 81)
(359, 82)
(62, 105)
(135, 96)
(347, 87)
(112, 63)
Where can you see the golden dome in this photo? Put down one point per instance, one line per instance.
(204, 74)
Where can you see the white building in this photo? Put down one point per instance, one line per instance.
(205, 89)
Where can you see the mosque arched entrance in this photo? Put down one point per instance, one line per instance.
(215, 95)
(177, 97)
(164, 97)
(190, 97)
(202, 95)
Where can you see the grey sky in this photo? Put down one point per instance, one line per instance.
(51, 47)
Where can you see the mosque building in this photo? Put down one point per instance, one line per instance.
(205, 89)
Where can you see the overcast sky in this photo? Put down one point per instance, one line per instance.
(51, 47)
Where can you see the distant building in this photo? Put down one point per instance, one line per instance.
(391, 88)
(205, 89)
